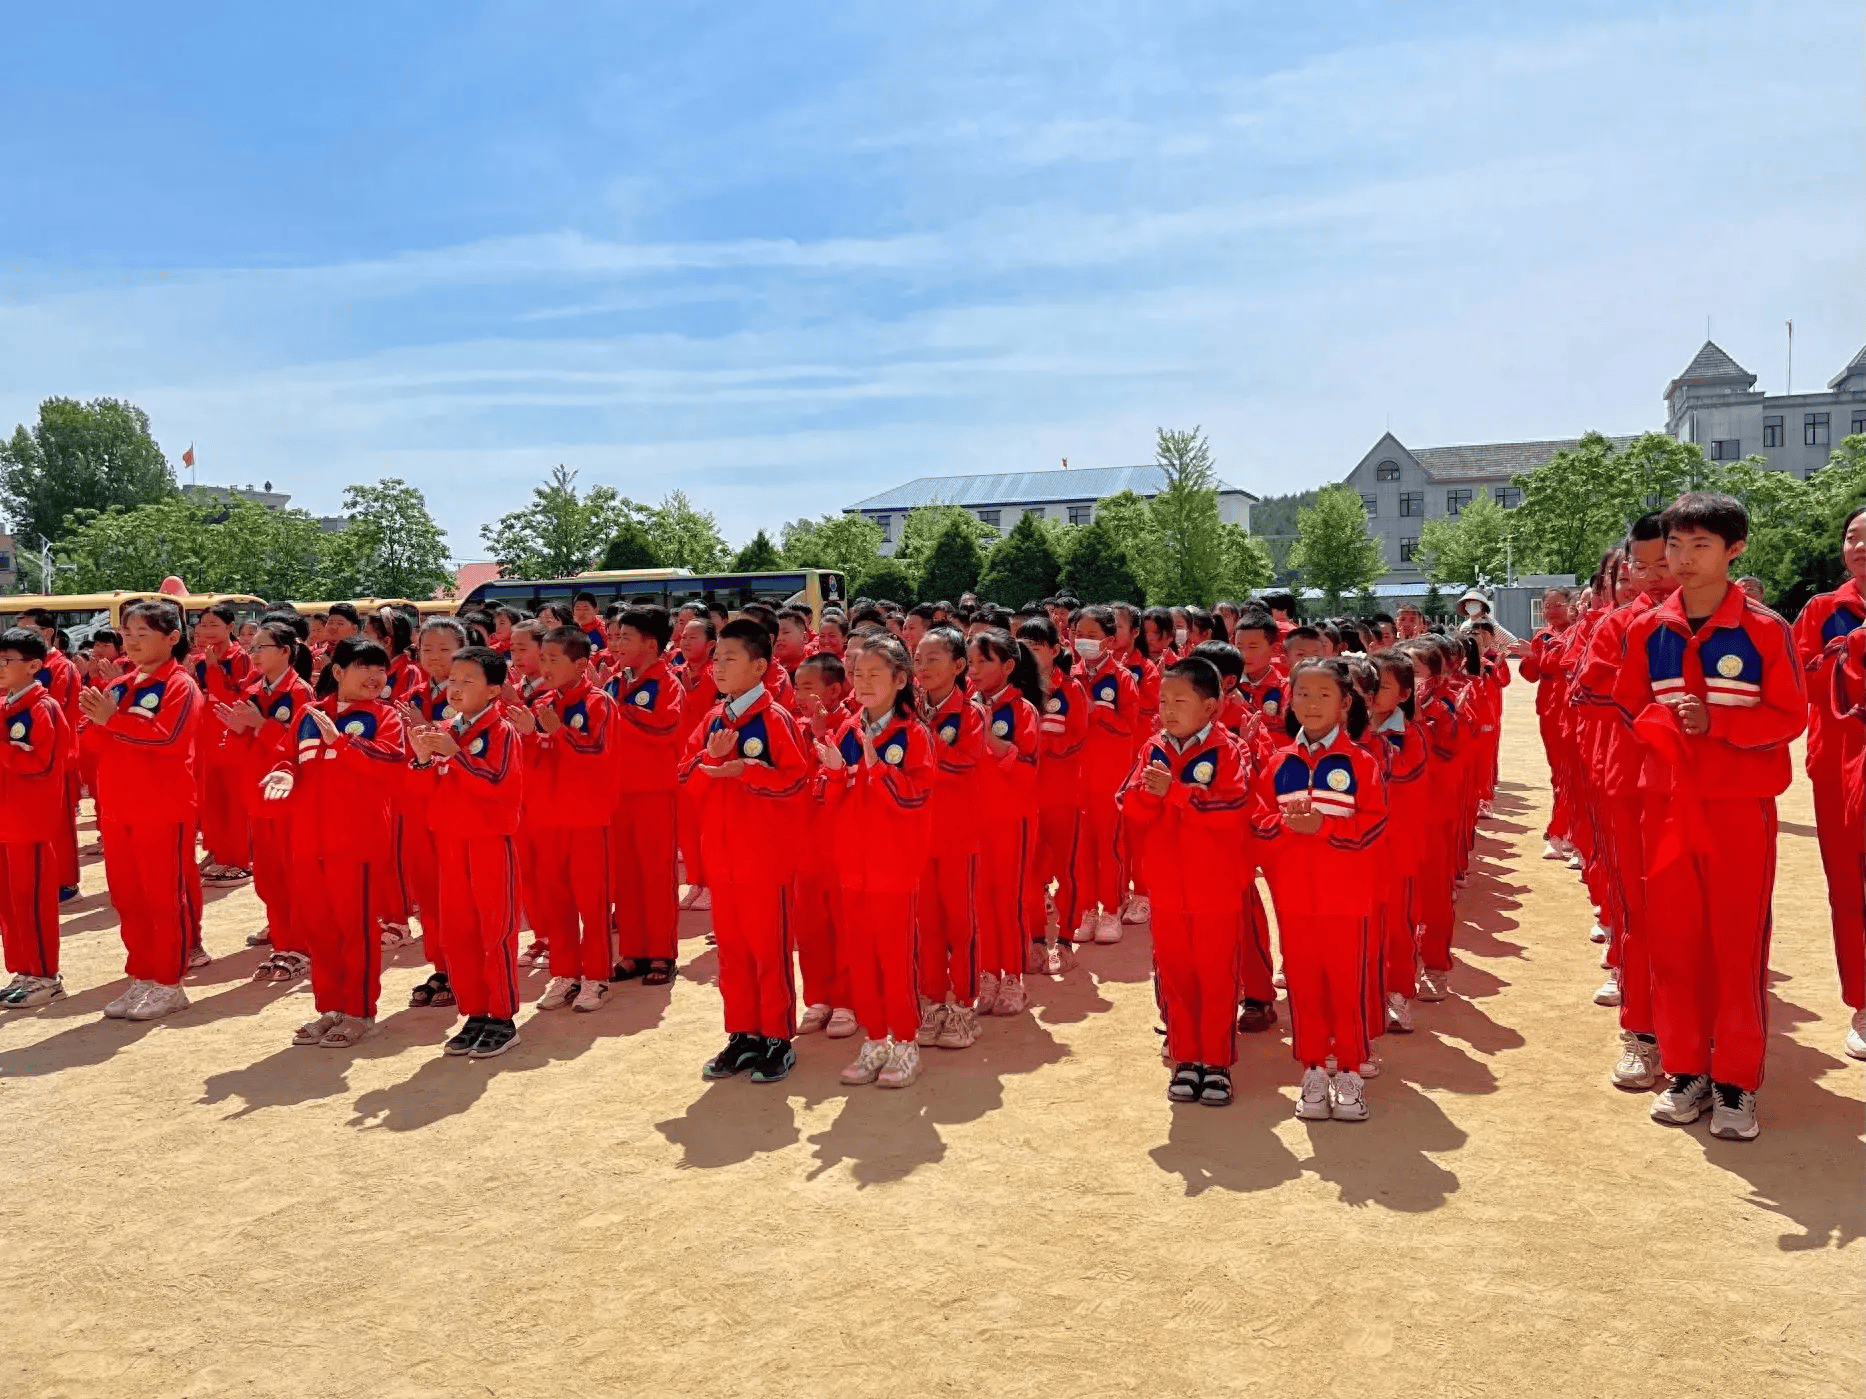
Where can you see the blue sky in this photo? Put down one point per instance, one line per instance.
(786, 256)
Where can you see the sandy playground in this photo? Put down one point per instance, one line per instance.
(195, 1208)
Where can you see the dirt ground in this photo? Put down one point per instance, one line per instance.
(196, 1208)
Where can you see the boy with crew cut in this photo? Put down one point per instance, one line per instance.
(1712, 685)
(645, 821)
(34, 765)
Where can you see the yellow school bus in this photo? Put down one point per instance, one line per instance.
(670, 587)
(81, 614)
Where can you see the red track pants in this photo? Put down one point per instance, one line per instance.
(29, 916)
(751, 930)
(687, 806)
(570, 903)
(1255, 971)
(65, 838)
(525, 857)
(1098, 854)
(949, 929)
(878, 945)
(479, 905)
(1630, 944)
(1843, 859)
(272, 881)
(417, 884)
(1433, 892)
(1710, 918)
(1010, 910)
(224, 828)
(645, 866)
(1392, 952)
(333, 898)
(816, 917)
(1196, 955)
(1059, 840)
(1325, 964)
(158, 906)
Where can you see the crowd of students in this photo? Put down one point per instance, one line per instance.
(909, 811)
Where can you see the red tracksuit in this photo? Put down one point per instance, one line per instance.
(817, 912)
(1184, 842)
(745, 823)
(59, 675)
(949, 917)
(1010, 903)
(569, 801)
(1409, 798)
(646, 740)
(262, 750)
(1063, 730)
(1711, 861)
(35, 762)
(417, 882)
(1835, 746)
(340, 839)
(220, 764)
(883, 806)
(1320, 883)
(1114, 734)
(698, 694)
(147, 800)
(1438, 722)
(1542, 668)
(473, 807)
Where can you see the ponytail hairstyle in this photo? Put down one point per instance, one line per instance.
(1424, 647)
(451, 625)
(892, 652)
(1396, 662)
(1366, 679)
(280, 633)
(1473, 653)
(996, 642)
(1162, 620)
(1337, 670)
(283, 615)
(398, 633)
(1199, 620)
(164, 617)
(1125, 613)
(1042, 630)
(1100, 615)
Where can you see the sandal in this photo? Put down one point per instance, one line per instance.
(395, 936)
(660, 972)
(292, 964)
(433, 992)
(271, 970)
(345, 1033)
(314, 1032)
(628, 969)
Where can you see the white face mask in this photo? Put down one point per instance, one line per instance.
(1088, 648)
(1179, 637)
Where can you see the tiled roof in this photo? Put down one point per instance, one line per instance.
(1711, 365)
(1856, 367)
(471, 575)
(1025, 488)
(1496, 461)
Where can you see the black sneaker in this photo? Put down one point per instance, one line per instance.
(495, 1038)
(1184, 1087)
(1215, 1091)
(741, 1052)
(463, 1042)
(775, 1063)
(1256, 1017)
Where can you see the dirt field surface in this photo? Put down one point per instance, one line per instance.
(196, 1208)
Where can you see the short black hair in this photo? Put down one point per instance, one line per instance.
(830, 664)
(109, 634)
(1222, 656)
(1302, 633)
(359, 650)
(1282, 602)
(585, 596)
(651, 620)
(751, 633)
(1257, 620)
(222, 610)
(1710, 511)
(924, 611)
(1198, 672)
(1646, 528)
(347, 611)
(38, 617)
(575, 643)
(26, 641)
(491, 664)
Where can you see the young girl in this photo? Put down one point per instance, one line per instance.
(1108, 755)
(822, 686)
(390, 629)
(1434, 879)
(644, 821)
(1318, 806)
(875, 779)
(1409, 792)
(1064, 729)
(698, 694)
(143, 731)
(417, 865)
(1157, 629)
(1006, 691)
(949, 915)
(344, 766)
(221, 670)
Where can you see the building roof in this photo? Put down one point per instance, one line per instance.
(1856, 368)
(1496, 461)
(1027, 488)
(471, 575)
(1710, 365)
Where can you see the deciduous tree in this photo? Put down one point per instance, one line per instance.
(79, 456)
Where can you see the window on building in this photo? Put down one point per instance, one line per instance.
(1408, 547)
(988, 517)
(1456, 500)
(1387, 471)
(1509, 497)
(1857, 426)
(1726, 449)
(6, 562)
(1081, 514)
(1036, 511)
(1412, 502)
(1814, 429)
(1772, 431)
(887, 528)
(1372, 502)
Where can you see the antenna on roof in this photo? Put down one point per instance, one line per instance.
(1707, 334)
(1065, 463)
(1790, 386)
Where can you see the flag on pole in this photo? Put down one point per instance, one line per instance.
(187, 457)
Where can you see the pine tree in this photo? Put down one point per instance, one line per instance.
(1022, 568)
(631, 548)
(1098, 569)
(887, 581)
(953, 564)
(760, 556)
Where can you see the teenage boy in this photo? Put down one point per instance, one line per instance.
(34, 761)
(1713, 686)
(644, 821)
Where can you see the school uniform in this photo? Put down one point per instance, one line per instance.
(1409, 795)
(1711, 859)
(59, 675)
(1542, 668)
(1010, 900)
(220, 764)
(261, 751)
(1836, 744)
(570, 801)
(1108, 756)
(1184, 843)
(698, 694)
(417, 872)
(644, 822)
(148, 801)
(949, 914)
(817, 911)
(35, 761)
(1063, 730)
(1434, 908)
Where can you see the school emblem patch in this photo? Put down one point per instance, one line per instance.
(576, 720)
(949, 729)
(354, 728)
(1729, 667)
(151, 701)
(643, 698)
(893, 753)
(753, 747)
(1338, 779)
(447, 711)
(1054, 704)
(478, 746)
(1270, 708)
(1202, 773)
(282, 710)
(999, 728)
(18, 729)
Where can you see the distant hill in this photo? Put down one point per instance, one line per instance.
(1276, 514)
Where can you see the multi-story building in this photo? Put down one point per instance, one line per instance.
(1715, 404)
(267, 497)
(1068, 495)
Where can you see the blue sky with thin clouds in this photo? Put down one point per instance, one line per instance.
(786, 256)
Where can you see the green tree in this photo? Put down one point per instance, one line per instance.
(1334, 551)
(1795, 526)
(391, 546)
(686, 537)
(560, 531)
(631, 548)
(1023, 566)
(235, 547)
(759, 556)
(1185, 512)
(79, 456)
(954, 562)
(1467, 548)
(1434, 604)
(849, 544)
(1129, 518)
(1579, 503)
(886, 581)
(926, 523)
(1246, 565)
(1098, 569)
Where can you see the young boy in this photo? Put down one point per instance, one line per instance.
(793, 639)
(822, 689)
(474, 764)
(34, 761)
(62, 682)
(222, 669)
(589, 621)
(1714, 688)
(749, 757)
(698, 695)
(644, 822)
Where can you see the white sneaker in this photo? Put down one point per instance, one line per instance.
(1639, 1062)
(29, 992)
(1012, 998)
(119, 1009)
(1575, 862)
(1433, 985)
(1373, 1064)
(1733, 1114)
(1552, 851)
(1278, 981)
(1599, 934)
(1609, 993)
(1085, 931)
(1684, 1102)
(1856, 1036)
(157, 1001)
(932, 1022)
(1036, 958)
(815, 1017)
(841, 1023)
(1107, 928)
(1350, 1103)
(558, 993)
(1399, 1013)
(1312, 1101)
(536, 955)
(987, 993)
(1059, 959)
(868, 1064)
(591, 995)
(1139, 910)
(961, 1028)
(18, 983)
(903, 1065)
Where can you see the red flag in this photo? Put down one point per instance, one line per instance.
(187, 457)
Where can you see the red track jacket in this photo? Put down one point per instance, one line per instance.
(145, 751)
(33, 763)
(1007, 787)
(958, 731)
(1323, 872)
(882, 808)
(340, 798)
(570, 773)
(478, 790)
(1060, 771)
(747, 821)
(650, 722)
(1198, 827)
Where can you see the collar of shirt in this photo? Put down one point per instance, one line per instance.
(1728, 612)
(735, 708)
(945, 700)
(463, 722)
(1394, 722)
(271, 686)
(1317, 745)
(1190, 743)
(15, 696)
(877, 727)
(997, 697)
(1253, 681)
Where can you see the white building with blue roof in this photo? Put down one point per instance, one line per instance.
(1068, 495)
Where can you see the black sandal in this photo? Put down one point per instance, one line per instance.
(1215, 1091)
(660, 972)
(1184, 1087)
(626, 970)
(433, 992)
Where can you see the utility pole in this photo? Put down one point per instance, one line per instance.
(1789, 387)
